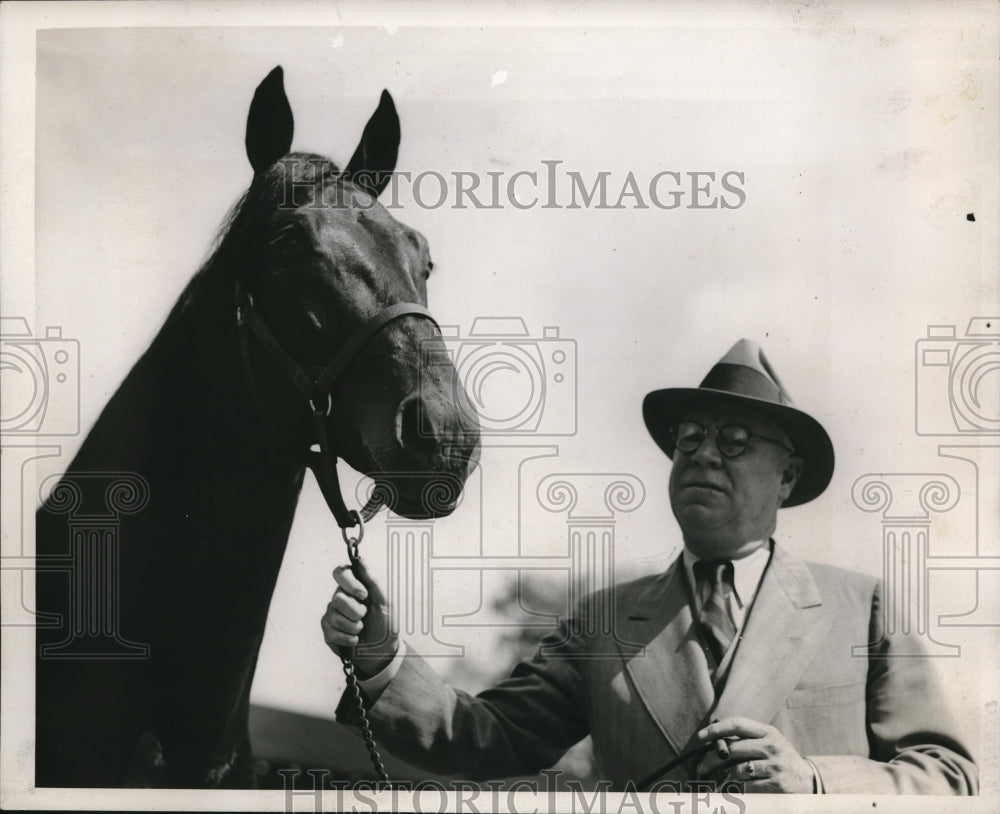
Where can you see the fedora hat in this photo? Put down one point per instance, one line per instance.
(745, 376)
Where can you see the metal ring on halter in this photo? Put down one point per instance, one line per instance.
(243, 298)
(359, 524)
(329, 406)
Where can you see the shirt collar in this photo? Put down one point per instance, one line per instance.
(747, 571)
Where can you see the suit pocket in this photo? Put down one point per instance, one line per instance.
(831, 696)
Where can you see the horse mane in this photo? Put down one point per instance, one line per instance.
(239, 233)
(198, 309)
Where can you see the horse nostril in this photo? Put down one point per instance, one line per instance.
(415, 427)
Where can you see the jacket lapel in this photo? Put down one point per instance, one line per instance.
(670, 673)
(786, 625)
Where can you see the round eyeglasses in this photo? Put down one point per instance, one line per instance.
(731, 439)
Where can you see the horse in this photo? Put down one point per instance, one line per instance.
(203, 449)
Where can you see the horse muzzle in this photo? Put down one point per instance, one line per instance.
(421, 469)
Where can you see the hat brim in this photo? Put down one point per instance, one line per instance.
(662, 409)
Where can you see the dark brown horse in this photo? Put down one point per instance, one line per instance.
(148, 637)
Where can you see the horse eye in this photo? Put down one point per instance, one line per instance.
(287, 243)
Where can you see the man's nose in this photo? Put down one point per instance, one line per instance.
(707, 453)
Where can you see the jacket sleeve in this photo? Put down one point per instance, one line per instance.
(914, 745)
(520, 726)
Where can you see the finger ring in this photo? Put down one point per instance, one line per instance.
(750, 769)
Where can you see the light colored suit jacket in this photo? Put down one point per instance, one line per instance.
(628, 669)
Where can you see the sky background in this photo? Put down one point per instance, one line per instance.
(865, 138)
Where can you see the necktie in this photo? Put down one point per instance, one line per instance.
(715, 583)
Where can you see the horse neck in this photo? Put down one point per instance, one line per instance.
(191, 389)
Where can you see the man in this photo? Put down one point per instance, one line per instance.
(738, 642)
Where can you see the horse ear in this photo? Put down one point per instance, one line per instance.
(374, 159)
(269, 123)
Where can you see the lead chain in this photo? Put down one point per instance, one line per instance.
(366, 729)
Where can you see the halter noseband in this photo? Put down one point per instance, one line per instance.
(315, 383)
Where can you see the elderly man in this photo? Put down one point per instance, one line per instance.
(740, 663)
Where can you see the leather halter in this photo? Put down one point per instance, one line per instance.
(315, 383)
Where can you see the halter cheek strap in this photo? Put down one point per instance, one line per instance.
(316, 385)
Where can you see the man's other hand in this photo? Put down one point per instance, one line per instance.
(760, 758)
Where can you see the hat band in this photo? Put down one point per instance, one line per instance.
(741, 380)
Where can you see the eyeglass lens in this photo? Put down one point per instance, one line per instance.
(731, 440)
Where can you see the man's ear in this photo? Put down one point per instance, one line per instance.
(790, 476)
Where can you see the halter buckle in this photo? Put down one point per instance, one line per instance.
(317, 411)
(244, 302)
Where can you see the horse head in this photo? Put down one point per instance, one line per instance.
(217, 420)
(320, 259)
